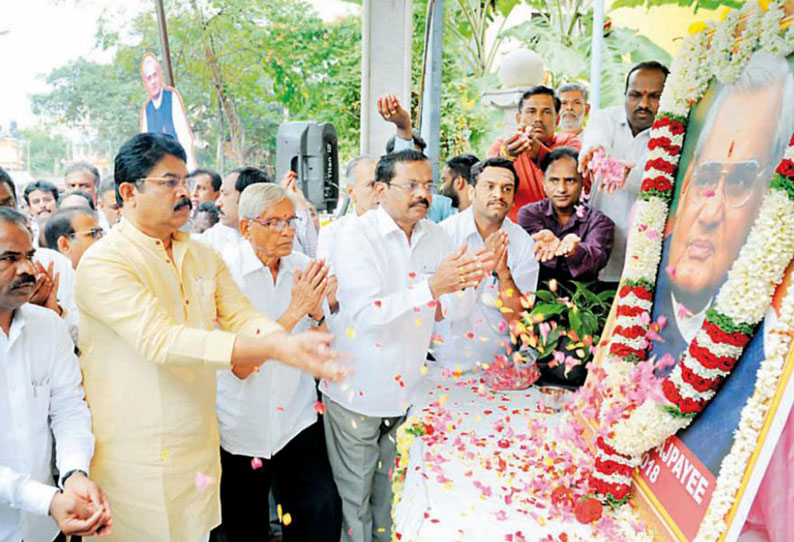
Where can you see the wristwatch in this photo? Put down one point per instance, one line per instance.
(68, 474)
(318, 323)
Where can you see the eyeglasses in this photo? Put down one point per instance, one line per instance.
(415, 187)
(738, 181)
(171, 183)
(277, 224)
(96, 233)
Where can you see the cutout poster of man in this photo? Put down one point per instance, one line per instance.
(737, 134)
(163, 112)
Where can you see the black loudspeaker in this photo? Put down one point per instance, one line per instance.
(310, 150)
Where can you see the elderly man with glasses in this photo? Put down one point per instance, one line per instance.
(159, 315)
(270, 417)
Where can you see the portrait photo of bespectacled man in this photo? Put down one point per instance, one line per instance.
(736, 136)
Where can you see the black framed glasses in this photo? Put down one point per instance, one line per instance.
(96, 233)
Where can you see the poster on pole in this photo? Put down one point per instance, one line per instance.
(163, 112)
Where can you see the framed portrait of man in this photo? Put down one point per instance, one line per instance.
(736, 136)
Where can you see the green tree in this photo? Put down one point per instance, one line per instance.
(561, 33)
(695, 4)
(242, 67)
(46, 151)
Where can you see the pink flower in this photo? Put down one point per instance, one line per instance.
(544, 329)
(558, 358)
(202, 481)
(681, 311)
(670, 270)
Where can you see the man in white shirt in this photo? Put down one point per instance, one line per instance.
(360, 188)
(71, 231)
(268, 422)
(110, 210)
(40, 397)
(41, 198)
(395, 270)
(224, 236)
(55, 275)
(484, 332)
(623, 133)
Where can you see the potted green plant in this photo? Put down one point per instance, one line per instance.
(564, 325)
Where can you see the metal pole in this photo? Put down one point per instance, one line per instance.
(169, 73)
(595, 58)
(431, 96)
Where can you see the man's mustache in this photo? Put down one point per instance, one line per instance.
(643, 110)
(24, 279)
(422, 201)
(184, 202)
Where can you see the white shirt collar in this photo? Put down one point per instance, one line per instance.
(249, 262)
(18, 321)
(469, 225)
(688, 325)
(387, 225)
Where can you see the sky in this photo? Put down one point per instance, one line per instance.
(32, 45)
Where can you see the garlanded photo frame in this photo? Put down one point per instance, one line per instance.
(722, 304)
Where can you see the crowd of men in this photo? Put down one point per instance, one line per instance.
(178, 374)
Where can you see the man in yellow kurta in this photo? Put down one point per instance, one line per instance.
(159, 315)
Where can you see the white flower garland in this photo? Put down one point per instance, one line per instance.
(750, 424)
(753, 277)
(744, 297)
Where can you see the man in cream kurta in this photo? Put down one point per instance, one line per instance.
(160, 314)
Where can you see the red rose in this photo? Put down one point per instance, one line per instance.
(607, 466)
(674, 149)
(621, 491)
(588, 510)
(691, 406)
(661, 164)
(717, 335)
(658, 142)
(703, 355)
(699, 383)
(623, 351)
(640, 291)
(670, 391)
(630, 310)
(602, 445)
(786, 167)
(597, 485)
(677, 127)
(726, 364)
(633, 332)
(659, 183)
(661, 122)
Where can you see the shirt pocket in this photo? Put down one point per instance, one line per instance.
(205, 291)
(40, 400)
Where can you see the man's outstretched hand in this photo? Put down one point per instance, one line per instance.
(546, 245)
(392, 111)
(310, 352)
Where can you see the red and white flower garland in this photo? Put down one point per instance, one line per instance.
(742, 301)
